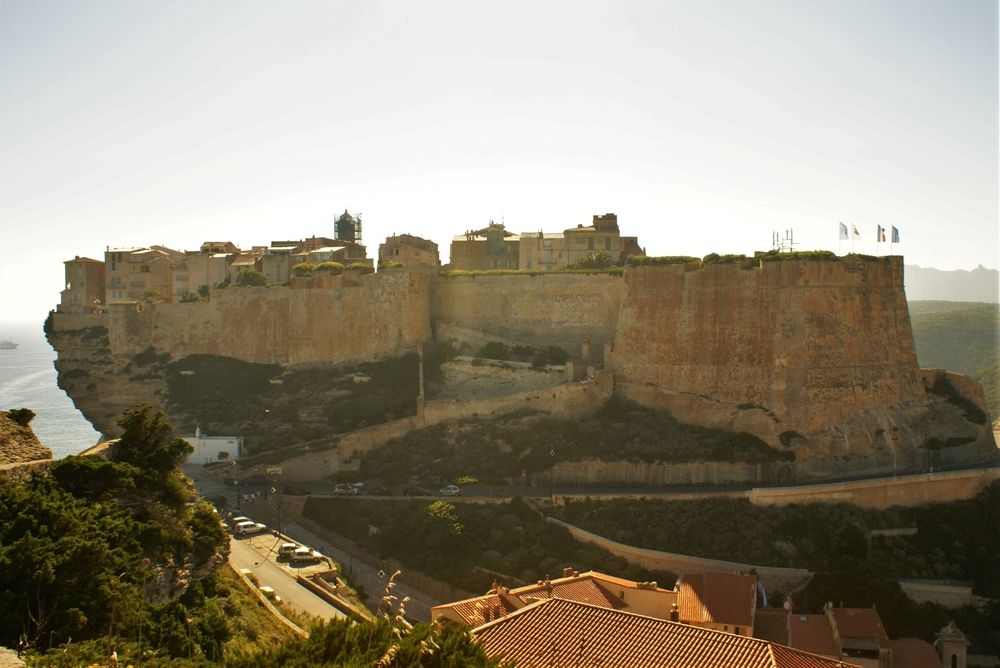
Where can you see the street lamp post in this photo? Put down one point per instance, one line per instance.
(277, 507)
(236, 481)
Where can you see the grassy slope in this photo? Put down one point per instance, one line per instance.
(963, 337)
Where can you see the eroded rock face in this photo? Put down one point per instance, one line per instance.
(18, 442)
(814, 356)
(100, 383)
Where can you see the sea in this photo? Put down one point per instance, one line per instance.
(28, 380)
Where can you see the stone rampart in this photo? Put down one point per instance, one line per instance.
(381, 315)
(562, 310)
(809, 342)
(774, 578)
(64, 322)
(560, 400)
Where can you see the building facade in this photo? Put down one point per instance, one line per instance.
(84, 291)
(410, 251)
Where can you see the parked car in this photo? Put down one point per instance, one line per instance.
(292, 490)
(233, 521)
(450, 490)
(305, 555)
(414, 490)
(249, 528)
(286, 549)
(343, 489)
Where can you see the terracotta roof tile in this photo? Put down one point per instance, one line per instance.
(771, 625)
(860, 623)
(913, 653)
(582, 589)
(809, 633)
(556, 632)
(482, 609)
(722, 598)
(812, 633)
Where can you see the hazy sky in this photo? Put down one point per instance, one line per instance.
(704, 125)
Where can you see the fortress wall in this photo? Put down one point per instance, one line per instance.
(382, 316)
(541, 310)
(811, 342)
(559, 400)
(66, 322)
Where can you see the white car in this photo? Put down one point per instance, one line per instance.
(343, 489)
(305, 555)
(450, 490)
(286, 549)
(249, 527)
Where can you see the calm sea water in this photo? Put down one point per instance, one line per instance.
(28, 380)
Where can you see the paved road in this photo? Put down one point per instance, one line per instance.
(373, 579)
(256, 554)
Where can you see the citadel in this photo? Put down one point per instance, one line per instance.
(811, 352)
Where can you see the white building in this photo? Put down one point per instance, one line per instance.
(208, 448)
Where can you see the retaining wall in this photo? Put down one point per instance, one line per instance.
(774, 578)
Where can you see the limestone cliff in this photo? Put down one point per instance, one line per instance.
(815, 356)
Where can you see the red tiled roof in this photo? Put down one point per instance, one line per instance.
(482, 609)
(809, 633)
(771, 625)
(556, 632)
(582, 589)
(860, 623)
(722, 598)
(913, 653)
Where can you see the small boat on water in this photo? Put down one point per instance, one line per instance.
(7, 344)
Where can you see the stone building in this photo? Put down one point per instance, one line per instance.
(409, 250)
(133, 274)
(492, 247)
(84, 291)
(602, 235)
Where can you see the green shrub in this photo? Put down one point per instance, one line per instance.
(332, 268)
(494, 350)
(22, 416)
(363, 267)
(303, 269)
(646, 261)
(249, 278)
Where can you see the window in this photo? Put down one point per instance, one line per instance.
(144, 269)
(607, 243)
(547, 243)
(590, 243)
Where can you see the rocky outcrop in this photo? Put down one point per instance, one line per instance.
(18, 442)
(102, 384)
(815, 356)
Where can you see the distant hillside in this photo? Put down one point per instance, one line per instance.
(979, 285)
(962, 337)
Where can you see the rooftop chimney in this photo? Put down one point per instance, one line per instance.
(675, 613)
